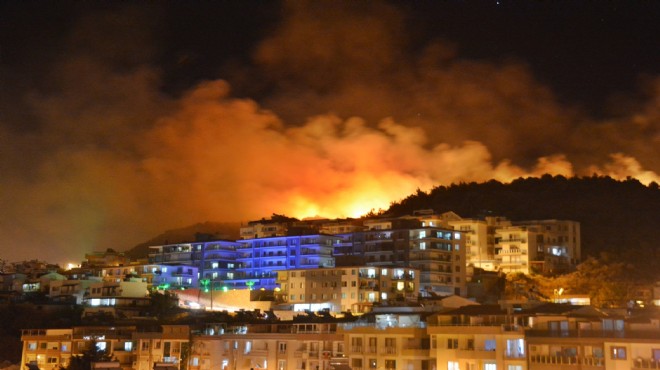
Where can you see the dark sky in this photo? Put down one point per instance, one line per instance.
(119, 120)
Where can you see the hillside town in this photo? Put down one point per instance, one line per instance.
(424, 291)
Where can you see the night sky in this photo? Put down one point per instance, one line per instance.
(119, 120)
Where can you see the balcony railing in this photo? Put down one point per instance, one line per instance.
(567, 360)
(638, 334)
(645, 363)
(389, 350)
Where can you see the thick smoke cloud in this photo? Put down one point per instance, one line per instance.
(345, 118)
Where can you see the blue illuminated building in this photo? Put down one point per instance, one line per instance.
(249, 263)
(260, 259)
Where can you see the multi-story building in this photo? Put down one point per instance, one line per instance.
(176, 277)
(549, 246)
(166, 348)
(47, 348)
(341, 226)
(356, 289)
(131, 348)
(438, 253)
(259, 260)
(561, 244)
(586, 338)
(479, 239)
(477, 337)
(210, 259)
(517, 249)
(120, 299)
(388, 338)
(280, 346)
(264, 229)
(109, 257)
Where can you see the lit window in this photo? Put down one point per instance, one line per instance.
(618, 353)
(453, 365)
(457, 236)
(489, 344)
(515, 348)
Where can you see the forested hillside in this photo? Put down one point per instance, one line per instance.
(617, 217)
(620, 218)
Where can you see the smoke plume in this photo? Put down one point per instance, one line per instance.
(344, 118)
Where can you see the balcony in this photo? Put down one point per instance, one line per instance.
(478, 353)
(637, 334)
(257, 353)
(388, 350)
(41, 334)
(645, 363)
(415, 352)
(568, 360)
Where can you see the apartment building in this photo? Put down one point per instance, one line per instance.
(388, 338)
(480, 239)
(260, 259)
(131, 348)
(245, 264)
(356, 288)
(440, 256)
(587, 338)
(165, 348)
(561, 242)
(438, 253)
(105, 258)
(119, 299)
(519, 249)
(549, 246)
(477, 338)
(47, 348)
(142, 271)
(213, 258)
(264, 229)
(280, 346)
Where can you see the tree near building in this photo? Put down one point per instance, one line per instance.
(89, 356)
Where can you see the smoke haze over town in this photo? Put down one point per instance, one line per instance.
(120, 121)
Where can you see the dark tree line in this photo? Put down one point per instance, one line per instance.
(621, 218)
